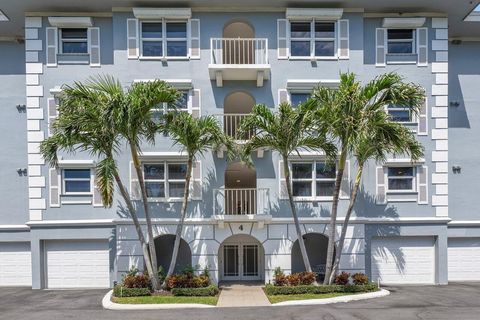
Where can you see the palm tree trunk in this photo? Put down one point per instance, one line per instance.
(333, 217)
(301, 241)
(178, 234)
(150, 239)
(136, 223)
(341, 242)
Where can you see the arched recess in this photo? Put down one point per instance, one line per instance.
(316, 245)
(236, 50)
(241, 258)
(164, 248)
(238, 29)
(240, 189)
(235, 106)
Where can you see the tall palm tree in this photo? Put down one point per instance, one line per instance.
(196, 136)
(342, 110)
(92, 118)
(288, 132)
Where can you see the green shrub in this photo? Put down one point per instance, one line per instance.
(303, 289)
(211, 290)
(342, 278)
(359, 278)
(187, 280)
(279, 278)
(121, 291)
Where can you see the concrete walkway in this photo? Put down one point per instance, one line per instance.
(242, 295)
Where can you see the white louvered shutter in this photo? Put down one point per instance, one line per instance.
(97, 196)
(422, 47)
(135, 191)
(282, 183)
(283, 96)
(54, 191)
(381, 196)
(345, 185)
(381, 47)
(94, 46)
(132, 39)
(196, 181)
(343, 39)
(195, 103)
(422, 178)
(52, 46)
(194, 38)
(52, 113)
(282, 38)
(423, 119)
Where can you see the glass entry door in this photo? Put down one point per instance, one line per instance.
(240, 262)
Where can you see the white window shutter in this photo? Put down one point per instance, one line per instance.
(135, 192)
(196, 181)
(52, 114)
(283, 96)
(345, 185)
(422, 47)
(381, 47)
(422, 178)
(52, 46)
(194, 38)
(97, 196)
(381, 196)
(94, 46)
(282, 183)
(282, 38)
(423, 119)
(132, 39)
(195, 103)
(343, 39)
(54, 192)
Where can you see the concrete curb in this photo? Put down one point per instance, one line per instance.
(108, 304)
(355, 297)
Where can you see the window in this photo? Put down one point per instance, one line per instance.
(400, 114)
(181, 105)
(401, 41)
(297, 98)
(312, 39)
(164, 39)
(161, 183)
(401, 179)
(311, 179)
(77, 181)
(73, 41)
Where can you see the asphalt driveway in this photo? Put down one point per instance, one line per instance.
(455, 301)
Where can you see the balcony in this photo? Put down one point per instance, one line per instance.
(241, 204)
(231, 124)
(239, 59)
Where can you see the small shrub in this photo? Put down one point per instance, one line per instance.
(279, 277)
(188, 270)
(187, 280)
(205, 273)
(293, 279)
(211, 290)
(311, 289)
(161, 274)
(359, 278)
(121, 291)
(307, 278)
(136, 281)
(342, 278)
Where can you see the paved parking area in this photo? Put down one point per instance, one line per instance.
(455, 301)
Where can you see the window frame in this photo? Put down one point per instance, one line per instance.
(293, 92)
(164, 107)
(64, 180)
(413, 116)
(413, 41)
(313, 179)
(164, 39)
(413, 177)
(312, 39)
(166, 180)
(61, 40)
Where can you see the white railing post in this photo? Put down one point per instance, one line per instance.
(238, 51)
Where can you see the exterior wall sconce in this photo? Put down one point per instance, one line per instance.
(456, 169)
(21, 107)
(22, 171)
(455, 104)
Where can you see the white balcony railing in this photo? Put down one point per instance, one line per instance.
(247, 201)
(231, 124)
(234, 51)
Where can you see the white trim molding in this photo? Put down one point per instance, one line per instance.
(71, 22)
(160, 13)
(310, 84)
(325, 14)
(403, 22)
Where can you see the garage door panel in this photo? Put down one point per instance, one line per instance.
(464, 259)
(403, 260)
(78, 264)
(15, 264)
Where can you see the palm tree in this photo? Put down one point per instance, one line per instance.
(343, 112)
(288, 132)
(195, 136)
(92, 118)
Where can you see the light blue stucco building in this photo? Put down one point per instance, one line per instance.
(409, 226)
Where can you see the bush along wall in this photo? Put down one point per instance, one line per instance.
(121, 291)
(312, 289)
(211, 290)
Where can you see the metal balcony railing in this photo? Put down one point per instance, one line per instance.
(231, 124)
(239, 51)
(246, 201)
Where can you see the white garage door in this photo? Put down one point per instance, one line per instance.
(403, 260)
(15, 264)
(464, 259)
(77, 264)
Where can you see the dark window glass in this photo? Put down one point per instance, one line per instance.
(74, 33)
(297, 98)
(400, 34)
(400, 184)
(300, 30)
(325, 171)
(77, 186)
(324, 30)
(152, 48)
(324, 48)
(77, 173)
(154, 171)
(400, 47)
(155, 189)
(176, 30)
(400, 115)
(182, 101)
(300, 48)
(325, 188)
(177, 171)
(177, 48)
(152, 30)
(302, 170)
(176, 189)
(302, 189)
(400, 171)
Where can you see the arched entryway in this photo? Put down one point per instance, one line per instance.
(240, 189)
(235, 108)
(237, 43)
(241, 258)
(316, 245)
(164, 248)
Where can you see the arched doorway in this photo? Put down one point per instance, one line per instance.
(238, 46)
(240, 189)
(235, 107)
(316, 245)
(164, 248)
(241, 258)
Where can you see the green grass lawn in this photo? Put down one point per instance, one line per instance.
(306, 296)
(166, 299)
